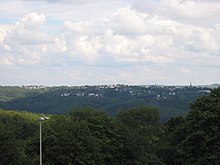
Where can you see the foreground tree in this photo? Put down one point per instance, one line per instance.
(141, 135)
(83, 136)
(196, 139)
(202, 142)
(15, 130)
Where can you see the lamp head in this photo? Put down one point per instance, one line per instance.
(43, 118)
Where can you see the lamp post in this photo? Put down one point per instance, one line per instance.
(41, 119)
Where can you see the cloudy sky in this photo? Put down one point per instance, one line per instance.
(87, 42)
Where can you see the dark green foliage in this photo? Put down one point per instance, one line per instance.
(149, 159)
(140, 116)
(135, 137)
(172, 136)
(172, 101)
(142, 132)
(15, 129)
(195, 139)
(202, 142)
(83, 136)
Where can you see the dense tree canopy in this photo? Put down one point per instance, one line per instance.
(15, 130)
(143, 132)
(195, 139)
(172, 101)
(201, 144)
(83, 137)
(135, 137)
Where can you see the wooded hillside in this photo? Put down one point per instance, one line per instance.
(171, 100)
(134, 137)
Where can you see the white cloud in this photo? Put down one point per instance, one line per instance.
(120, 22)
(112, 38)
(194, 12)
(157, 40)
(6, 61)
(26, 41)
(28, 31)
(127, 36)
(3, 31)
(31, 21)
(185, 70)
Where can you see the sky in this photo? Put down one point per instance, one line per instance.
(94, 42)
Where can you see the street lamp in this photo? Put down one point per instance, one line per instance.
(41, 119)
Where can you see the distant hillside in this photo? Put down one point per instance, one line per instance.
(212, 86)
(8, 93)
(172, 100)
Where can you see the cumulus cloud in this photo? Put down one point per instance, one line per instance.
(3, 31)
(151, 37)
(28, 31)
(25, 42)
(121, 22)
(127, 36)
(118, 38)
(196, 12)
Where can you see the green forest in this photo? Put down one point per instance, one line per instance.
(171, 100)
(88, 136)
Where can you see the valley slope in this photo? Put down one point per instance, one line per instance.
(171, 100)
